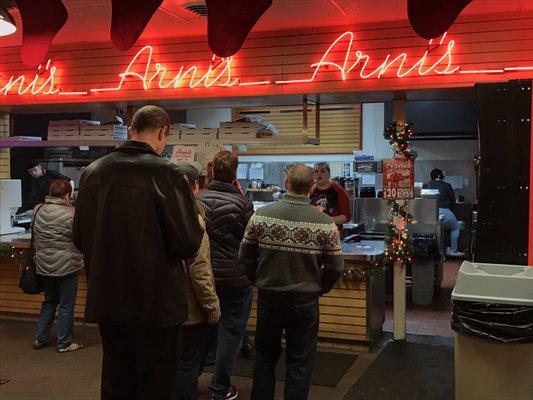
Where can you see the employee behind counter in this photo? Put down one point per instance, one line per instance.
(330, 197)
(39, 185)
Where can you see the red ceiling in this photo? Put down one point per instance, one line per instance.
(90, 20)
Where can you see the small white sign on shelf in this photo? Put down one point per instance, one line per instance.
(183, 153)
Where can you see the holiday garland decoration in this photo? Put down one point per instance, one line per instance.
(19, 256)
(398, 135)
(359, 274)
(398, 243)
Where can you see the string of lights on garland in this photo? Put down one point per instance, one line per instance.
(17, 256)
(354, 272)
(398, 242)
(398, 134)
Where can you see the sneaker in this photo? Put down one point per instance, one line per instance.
(248, 353)
(71, 347)
(39, 345)
(457, 254)
(231, 395)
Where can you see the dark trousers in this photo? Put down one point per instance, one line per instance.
(195, 346)
(299, 318)
(139, 362)
(235, 305)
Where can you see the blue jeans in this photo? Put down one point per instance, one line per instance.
(58, 291)
(235, 305)
(299, 318)
(450, 223)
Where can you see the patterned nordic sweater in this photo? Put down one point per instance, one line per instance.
(291, 248)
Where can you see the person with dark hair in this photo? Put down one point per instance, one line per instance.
(58, 261)
(446, 201)
(227, 213)
(203, 305)
(136, 219)
(329, 197)
(39, 184)
(292, 254)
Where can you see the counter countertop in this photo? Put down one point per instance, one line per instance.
(18, 240)
(365, 250)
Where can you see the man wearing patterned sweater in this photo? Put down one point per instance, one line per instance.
(292, 253)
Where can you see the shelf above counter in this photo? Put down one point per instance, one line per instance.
(113, 143)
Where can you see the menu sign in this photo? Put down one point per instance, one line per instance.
(398, 178)
(183, 153)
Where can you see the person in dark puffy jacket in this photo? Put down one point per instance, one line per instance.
(227, 213)
(58, 261)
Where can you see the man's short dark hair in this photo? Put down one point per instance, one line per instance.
(60, 188)
(190, 171)
(301, 179)
(149, 117)
(225, 166)
(323, 164)
(436, 174)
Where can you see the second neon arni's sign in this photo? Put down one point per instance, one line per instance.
(342, 58)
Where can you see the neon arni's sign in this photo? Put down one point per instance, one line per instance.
(341, 57)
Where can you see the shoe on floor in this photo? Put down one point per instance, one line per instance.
(71, 347)
(248, 353)
(455, 254)
(231, 395)
(39, 345)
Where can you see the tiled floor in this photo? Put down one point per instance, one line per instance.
(433, 319)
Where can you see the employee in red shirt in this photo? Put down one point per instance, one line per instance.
(330, 197)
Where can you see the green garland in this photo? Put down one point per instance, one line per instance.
(398, 242)
(354, 273)
(398, 136)
(19, 256)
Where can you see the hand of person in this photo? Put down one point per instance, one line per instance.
(213, 315)
(320, 207)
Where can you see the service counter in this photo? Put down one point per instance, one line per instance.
(351, 315)
(15, 303)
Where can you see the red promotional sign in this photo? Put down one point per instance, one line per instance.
(398, 178)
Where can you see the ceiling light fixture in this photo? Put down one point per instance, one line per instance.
(7, 23)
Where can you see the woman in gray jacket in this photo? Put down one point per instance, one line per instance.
(58, 261)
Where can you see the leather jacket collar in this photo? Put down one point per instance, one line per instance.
(135, 147)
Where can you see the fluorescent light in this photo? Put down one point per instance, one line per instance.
(7, 23)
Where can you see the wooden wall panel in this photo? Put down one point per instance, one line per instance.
(487, 41)
(5, 169)
(340, 127)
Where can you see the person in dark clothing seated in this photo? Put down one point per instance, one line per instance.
(446, 200)
(227, 212)
(292, 253)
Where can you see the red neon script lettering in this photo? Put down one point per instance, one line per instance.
(44, 84)
(218, 73)
(362, 61)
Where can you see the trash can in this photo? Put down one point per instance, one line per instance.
(493, 322)
(423, 272)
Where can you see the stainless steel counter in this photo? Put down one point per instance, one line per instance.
(365, 250)
(18, 240)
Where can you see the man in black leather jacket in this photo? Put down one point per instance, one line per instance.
(227, 213)
(135, 218)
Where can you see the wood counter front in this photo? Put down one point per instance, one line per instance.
(351, 313)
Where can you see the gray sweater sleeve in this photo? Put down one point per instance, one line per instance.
(248, 252)
(332, 260)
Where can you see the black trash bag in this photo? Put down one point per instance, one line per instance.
(425, 247)
(499, 322)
